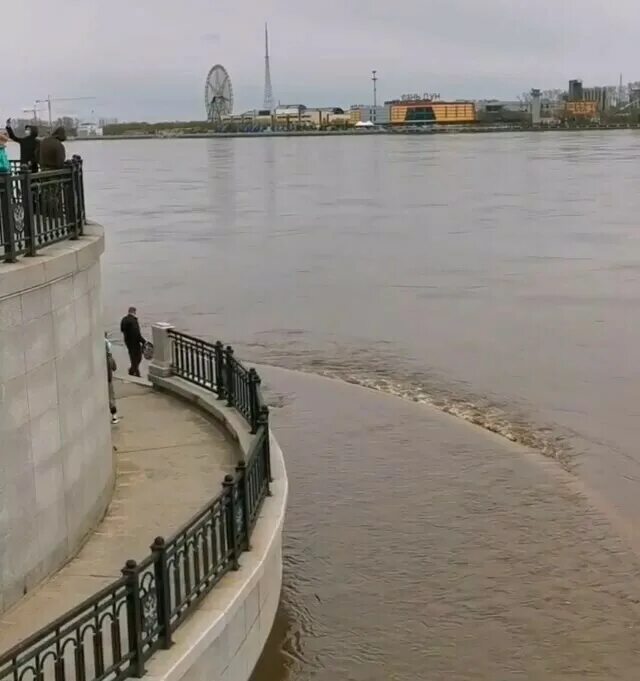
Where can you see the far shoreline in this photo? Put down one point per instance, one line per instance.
(352, 133)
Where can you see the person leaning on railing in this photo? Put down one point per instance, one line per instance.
(52, 152)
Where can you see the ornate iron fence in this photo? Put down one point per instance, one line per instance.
(215, 368)
(39, 209)
(110, 636)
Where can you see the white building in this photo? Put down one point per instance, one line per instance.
(89, 130)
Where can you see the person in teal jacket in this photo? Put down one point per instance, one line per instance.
(4, 159)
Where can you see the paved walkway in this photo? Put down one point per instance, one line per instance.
(170, 460)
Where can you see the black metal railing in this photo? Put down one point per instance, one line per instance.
(39, 209)
(215, 368)
(111, 636)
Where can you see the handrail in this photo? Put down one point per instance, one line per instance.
(214, 367)
(40, 209)
(60, 621)
(112, 634)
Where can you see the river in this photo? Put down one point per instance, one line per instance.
(491, 276)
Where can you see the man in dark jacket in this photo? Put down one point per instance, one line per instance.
(52, 151)
(133, 340)
(28, 145)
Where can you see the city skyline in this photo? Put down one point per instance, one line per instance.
(149, 61)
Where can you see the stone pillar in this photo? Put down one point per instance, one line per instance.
(161, 362)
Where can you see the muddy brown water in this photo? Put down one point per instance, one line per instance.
(419, 547)
(496, 277)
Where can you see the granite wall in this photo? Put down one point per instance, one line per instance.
(56, 460)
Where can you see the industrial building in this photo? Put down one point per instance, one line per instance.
(292, 117)
(365, 113)
(501, 111)
(498, 106)
(299, 115)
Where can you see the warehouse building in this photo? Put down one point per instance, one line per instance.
(365, 113)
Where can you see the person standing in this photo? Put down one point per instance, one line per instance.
(5, 166)
(52, 152)
(29, 145)
(133, 339)
(111, 367)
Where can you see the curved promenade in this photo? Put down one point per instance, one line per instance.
(204, 600)
(152, 496)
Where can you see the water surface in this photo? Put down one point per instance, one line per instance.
(495, 276)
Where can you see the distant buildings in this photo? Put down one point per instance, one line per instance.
(365, 113)
(290, 117)
(503, 111)
(309, 117)
(577, 105)
(88, 130)
(586, 104)
(634, 94)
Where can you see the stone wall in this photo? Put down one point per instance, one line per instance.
(56, 459)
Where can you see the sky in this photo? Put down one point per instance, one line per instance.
(148, 59)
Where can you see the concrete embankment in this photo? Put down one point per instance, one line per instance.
(56, 467)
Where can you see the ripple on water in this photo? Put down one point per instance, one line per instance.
(377, 369)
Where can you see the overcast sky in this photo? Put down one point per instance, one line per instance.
(147, 59)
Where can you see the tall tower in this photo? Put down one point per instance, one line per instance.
(374, 79)
(620, 92)
(268, 91)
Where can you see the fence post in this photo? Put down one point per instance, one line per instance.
(163, 590)
(134, 618)
(254, 382)
(70, 208)
(232, 530)
(264, 421)
(83, 216)
(241, 469)
(230, 387)
(220, 383)
(161, 363)
(27, 211)
(9, 236)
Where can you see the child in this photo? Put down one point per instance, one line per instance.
(4, 159)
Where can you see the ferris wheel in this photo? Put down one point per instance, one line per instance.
(218, 94)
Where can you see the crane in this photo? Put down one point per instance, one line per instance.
(33, 110)
(51, 99)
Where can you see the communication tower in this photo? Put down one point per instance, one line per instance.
(268, 90)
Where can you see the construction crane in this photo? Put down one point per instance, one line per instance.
(33, 110)
(51, 99)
